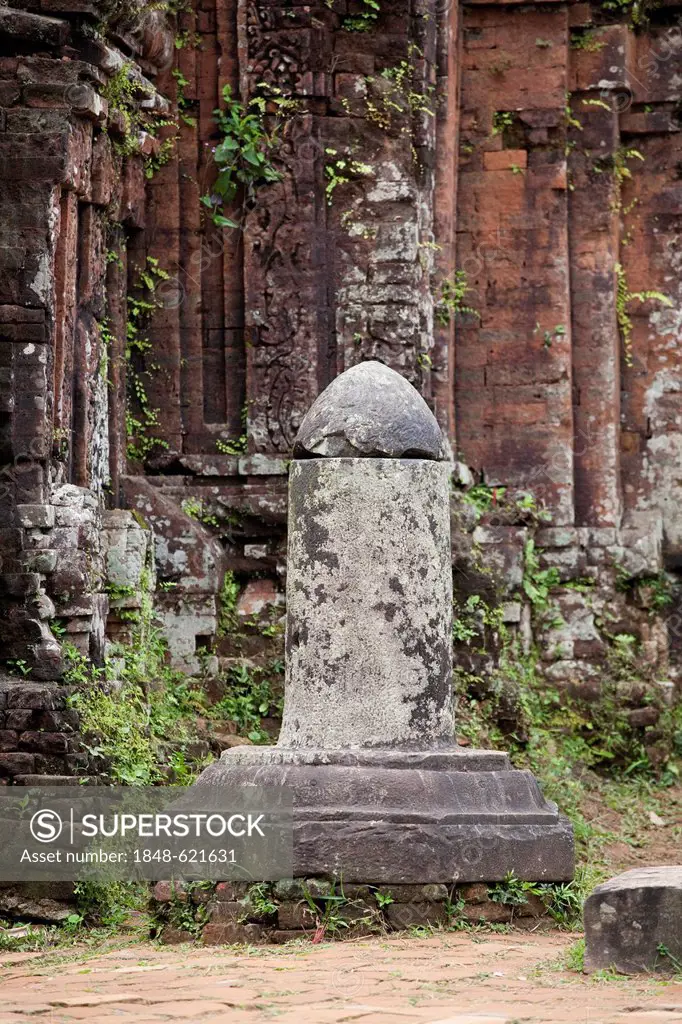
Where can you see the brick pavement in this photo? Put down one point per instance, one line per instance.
(443, 979)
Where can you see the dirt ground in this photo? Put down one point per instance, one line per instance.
(448, 978)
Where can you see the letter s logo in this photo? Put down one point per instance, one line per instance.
(46, 826)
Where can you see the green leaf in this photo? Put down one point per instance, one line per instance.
(224, 222)
(227, 146)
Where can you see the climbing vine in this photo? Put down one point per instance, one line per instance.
(181, 101)
(141, 416)
(341, 170)
(624, 297)
(396, 96)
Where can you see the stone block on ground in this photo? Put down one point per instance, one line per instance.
(175, 936)
(295, 915)
(49, 902)
(231, 933)
(633, 922)
(281, 935)
(415, 915)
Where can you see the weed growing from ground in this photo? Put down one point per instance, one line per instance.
(250, 697)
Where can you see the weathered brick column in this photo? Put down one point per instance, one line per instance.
(382, 793)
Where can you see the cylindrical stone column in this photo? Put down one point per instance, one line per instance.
(381, 792)
(369, 573)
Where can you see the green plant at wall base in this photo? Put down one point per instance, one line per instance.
(182, 913)
(129, 726)
(109, 903)
(244, 156)
(669, 960)
(624, 298)
(564, 901)
(250, 697)
(449, 303)
(511, 891)
(102, 907)
(259, 899)
(331, 921)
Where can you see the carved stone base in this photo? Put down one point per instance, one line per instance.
(387, 816)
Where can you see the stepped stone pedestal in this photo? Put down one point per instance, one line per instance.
(382, 793)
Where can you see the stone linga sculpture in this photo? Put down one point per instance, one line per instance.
(381, 791)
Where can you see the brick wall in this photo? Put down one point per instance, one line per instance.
(534, 147)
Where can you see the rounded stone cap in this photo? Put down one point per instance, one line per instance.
(370, 411)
